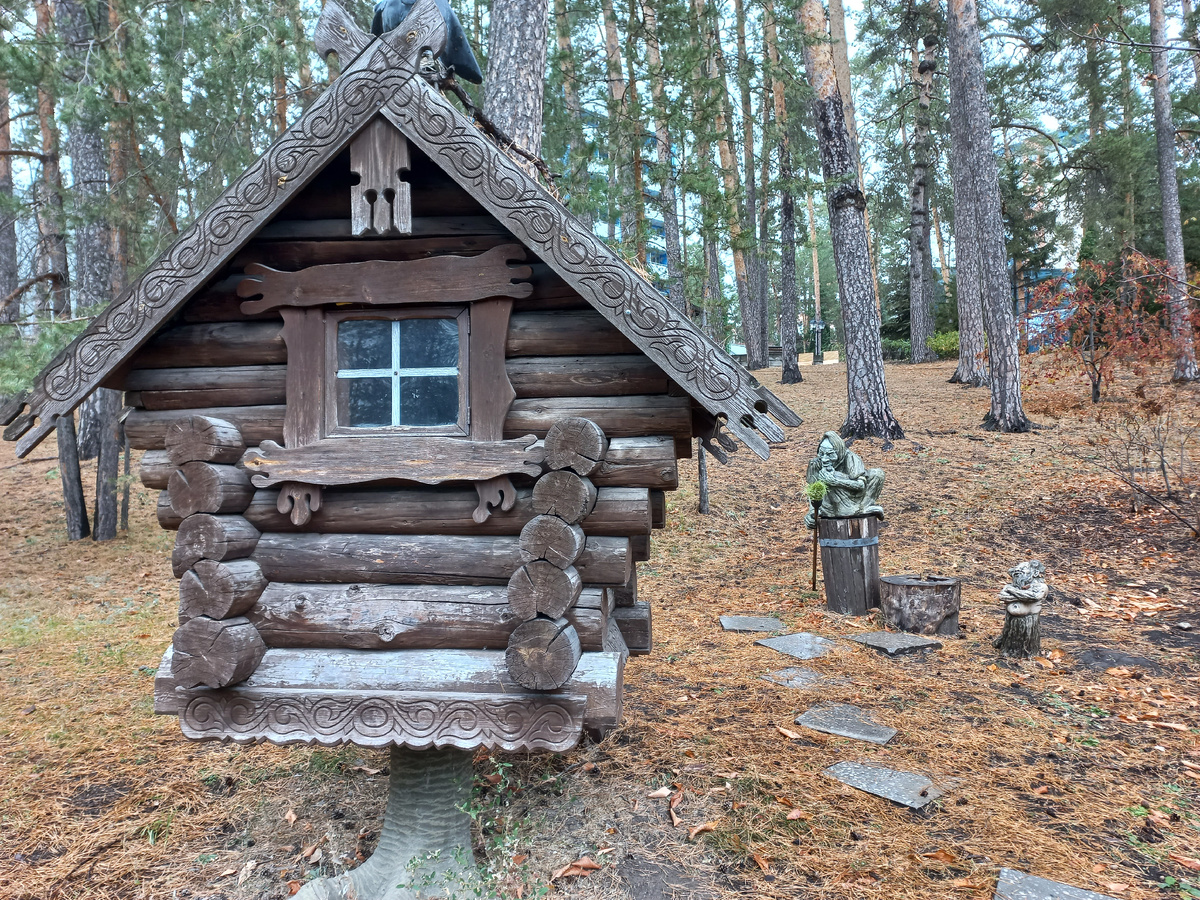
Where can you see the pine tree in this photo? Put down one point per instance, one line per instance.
(515, 81)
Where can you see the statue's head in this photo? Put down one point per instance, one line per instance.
(1026, 573)
(831, 450)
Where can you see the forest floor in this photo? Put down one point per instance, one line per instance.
(1082, 766)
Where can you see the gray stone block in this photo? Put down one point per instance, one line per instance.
(1014, 885)
(894, 643)
(905, 788)
(751, 624)
(793, 677)
(801, 645)
(846, 721)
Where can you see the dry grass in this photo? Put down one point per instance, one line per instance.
(1050, 767)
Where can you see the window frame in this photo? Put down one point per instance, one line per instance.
(333, 318)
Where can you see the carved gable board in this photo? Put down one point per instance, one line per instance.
(382, 80)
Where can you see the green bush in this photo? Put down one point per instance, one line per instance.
(944, 344)
(893, 349)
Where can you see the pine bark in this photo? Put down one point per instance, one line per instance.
(789, 296)
(755, 261)
(74, 505)
(10, 302)
(973, 118)
(578, 176)
(663, 146)
(920, 286)
(869, 411)
(620, 132)
(1178, 307)
(516, 71)
(52, 240)
(108, 462)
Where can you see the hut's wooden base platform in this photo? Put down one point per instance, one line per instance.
(407, 698)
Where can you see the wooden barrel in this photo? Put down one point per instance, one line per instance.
(924, 604)
(850, 561)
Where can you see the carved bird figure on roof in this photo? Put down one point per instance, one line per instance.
(456, 56)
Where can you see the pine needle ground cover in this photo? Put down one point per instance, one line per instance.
(1081, 766)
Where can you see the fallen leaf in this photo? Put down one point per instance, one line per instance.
(366, 770)
(675, 800)
(674, 818)
(1099, 867)
(247, 869)
(1174, 726)
(1119, 672)
(604, 850)
(943, 856)
(764, 864)
(316, 857)
(968, 884)
(1042, 789)
(1116, 887)
(794, 815)
(290, 817)
(517, 860)
(1186, 861)
(293, 887)
(29, 710)
(790, 735)
(227, 873)
(581, 867)
(661, 794)
(993, 668)
(1043, 662)
(700, 829)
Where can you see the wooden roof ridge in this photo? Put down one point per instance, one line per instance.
(384, 79)
(230, 222)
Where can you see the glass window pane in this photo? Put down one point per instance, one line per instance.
(428, 343)
(365, 403)
(431, 400)
(365, 344)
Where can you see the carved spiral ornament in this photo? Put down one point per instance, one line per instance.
(401, 719)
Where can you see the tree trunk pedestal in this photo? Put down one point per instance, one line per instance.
(1022, 636)
(425, 846)
(922, 604)
(850, 561)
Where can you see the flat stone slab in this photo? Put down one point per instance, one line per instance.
(751, 623)
(893, 643)
(1014, 885)
(801, 645)
(905, 788)
(793, 677)
(846, 721)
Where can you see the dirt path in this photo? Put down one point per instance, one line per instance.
(1080, 767)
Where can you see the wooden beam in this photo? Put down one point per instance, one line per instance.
(420, 559)
(213, 344)
(582, 333)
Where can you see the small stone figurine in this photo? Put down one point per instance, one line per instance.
(1022, 637)
(851, 489)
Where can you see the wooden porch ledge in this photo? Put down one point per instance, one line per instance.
(408, 698)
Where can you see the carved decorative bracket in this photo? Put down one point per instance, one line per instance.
(380, 203)
(429, 459)
(298, 501)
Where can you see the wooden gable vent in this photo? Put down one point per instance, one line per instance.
(380, 203)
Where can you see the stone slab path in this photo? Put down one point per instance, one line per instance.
(905, 788)
(894, 643)
(751, 624)
(845, 720)
(793, 677)
(1014, 885)
(801, 645)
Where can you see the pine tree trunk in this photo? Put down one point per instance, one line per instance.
(941, 246)
(1178, 307)
(633, 109)
(74, 505)
(920, 288)
(620, 133)
(701, 479)
(52, 241)
(171, 61)
(972, 369)
(789, 295)
(578, 175)
(107, 464)
(755, 260)
(869, 411)
(516, 70)
(1007, 412)
(662, 139)
(714, 296)
(119, 144)
(818, 324)
(10, 303)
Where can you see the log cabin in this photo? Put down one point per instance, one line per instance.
(412, 424)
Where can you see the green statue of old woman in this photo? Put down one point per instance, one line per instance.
(851, 489)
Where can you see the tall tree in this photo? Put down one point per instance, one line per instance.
(668, 200)
(10, 273)
(869, 411)
(920, 269)
(621, 134)
(971, 119)
(1178, 311)
(578, 180)
(756, 263)
(789, 299)
(818, 324)
(52, 238)
(516, 70)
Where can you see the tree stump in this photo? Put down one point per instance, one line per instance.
(850, 561)
(425, 844)
(921, 604)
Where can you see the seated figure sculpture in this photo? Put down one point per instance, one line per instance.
(851, 489)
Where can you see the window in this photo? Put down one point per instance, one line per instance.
(402, 371)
